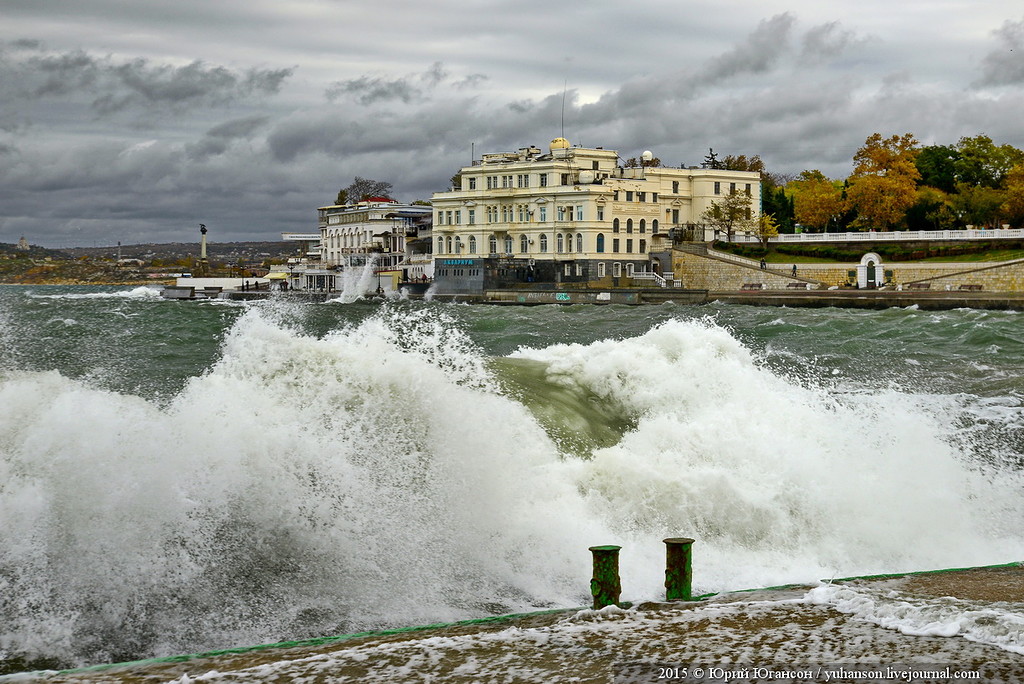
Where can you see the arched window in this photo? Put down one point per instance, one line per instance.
(472, 244)
(440, 244)
(492, 245)
(579, 242)
(458, 245)
(615, 226)
(629, 225)
(600, 242)
(448, 245)
(643, 225)
(629, 270)
(558, 241)
(543, 242)
(508, 244)
(654, 226)
(524, 244)
(616, 269)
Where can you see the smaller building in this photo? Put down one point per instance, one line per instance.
(378, 228)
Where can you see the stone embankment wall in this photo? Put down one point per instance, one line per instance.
(698, 272)
(715, 273)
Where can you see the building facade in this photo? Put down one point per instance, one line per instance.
(571, 217)
(379, 227)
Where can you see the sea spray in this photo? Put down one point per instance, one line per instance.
(303, 486)
(777, 481)
(327, 468)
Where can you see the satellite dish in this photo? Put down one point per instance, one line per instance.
(586, 177)
(647, 155)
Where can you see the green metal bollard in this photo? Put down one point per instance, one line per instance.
(605, 584)
(678, 569)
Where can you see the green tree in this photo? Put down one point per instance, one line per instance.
(977, 205)
(884, 180)
(981, 162)
(730, 214)
(937, 166)
(777, 202)
(1013, 200)
(817, 200)
(711, 161)
(931, 211)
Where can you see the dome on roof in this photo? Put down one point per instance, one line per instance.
(559, 144)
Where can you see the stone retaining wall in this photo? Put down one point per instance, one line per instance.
(717, 274)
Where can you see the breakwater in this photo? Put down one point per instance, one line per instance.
(852, 299)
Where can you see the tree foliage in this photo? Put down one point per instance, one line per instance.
(817, 200)
(981, 162)
(884, 181)
(977, 205)
(766, 228)
(729, 214)
(743, 163)
(711, 160)
(634, 163)
(1013, 200)
(362, 189)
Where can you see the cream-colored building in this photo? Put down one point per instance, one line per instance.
(568, 215)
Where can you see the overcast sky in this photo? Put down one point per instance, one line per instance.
(137, 121)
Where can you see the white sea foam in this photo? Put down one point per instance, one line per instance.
(376, 476)
(995, 624)
(141, 292)
(777, 481)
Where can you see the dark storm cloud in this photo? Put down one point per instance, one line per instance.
(218, 139)
(29, 73)
(253, 148)
(369, 90)
(761, 50)
(1004, 66)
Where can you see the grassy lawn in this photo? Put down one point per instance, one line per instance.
(994, 255)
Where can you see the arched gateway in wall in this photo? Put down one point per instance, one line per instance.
(870, 273)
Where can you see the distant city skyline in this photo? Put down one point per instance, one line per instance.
(136, 122)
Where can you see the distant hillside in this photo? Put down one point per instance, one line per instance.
(95, 265)
(252, 252)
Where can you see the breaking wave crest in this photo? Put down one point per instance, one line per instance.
(388, 473)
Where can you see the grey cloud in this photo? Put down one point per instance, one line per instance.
(114, 86)
(758, 53)
(369, 90)
(471, 81)
(826, 41)
(434, 75)
(1005, 65)
(372, 90)
(219, 139)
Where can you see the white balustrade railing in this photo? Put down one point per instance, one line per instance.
(870, 236)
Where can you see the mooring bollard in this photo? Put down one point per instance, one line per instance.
(605, 584)
(678, 568)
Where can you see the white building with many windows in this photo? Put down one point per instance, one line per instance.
(571, 215)
(378, 227)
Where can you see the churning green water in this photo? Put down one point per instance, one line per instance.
(185, 476)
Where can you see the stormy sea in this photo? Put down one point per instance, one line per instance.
(178, 477)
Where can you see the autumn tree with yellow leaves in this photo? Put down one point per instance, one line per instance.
(884, 181)
(816, 199)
